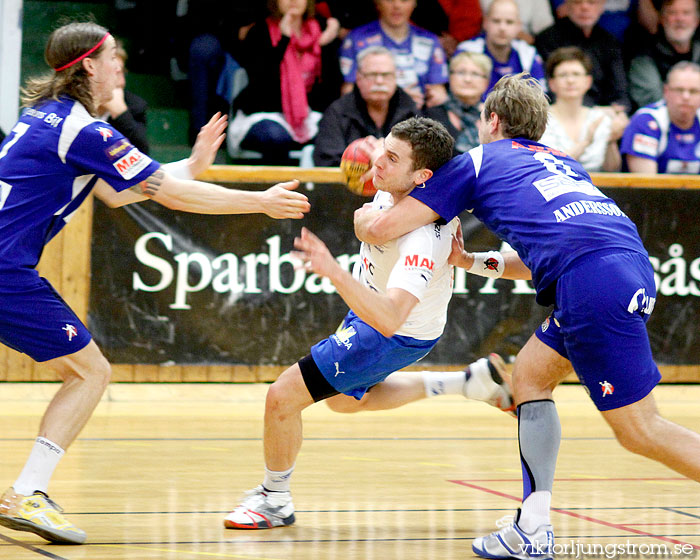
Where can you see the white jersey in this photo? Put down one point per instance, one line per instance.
(415, 262)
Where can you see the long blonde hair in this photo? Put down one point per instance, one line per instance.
(521, 105)
(66, 44)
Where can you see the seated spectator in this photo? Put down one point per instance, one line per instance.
(535, 16)
(463, 21)
(675, 42)
(581, 29)
(212, 34)
(280, 108)
(508, 54)
(373, 106)
(664, 137)
(420, 60)
(469, 78)
(126, 111)
(588, 134)
(620, 16)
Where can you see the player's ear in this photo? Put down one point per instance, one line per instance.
(422, 175)
(89, 65)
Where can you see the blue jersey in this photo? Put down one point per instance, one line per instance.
(539, 200)
(523, 58)
(49, 163)
(420, 59)
(651, 135)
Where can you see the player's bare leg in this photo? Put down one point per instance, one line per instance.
(25, 506)
(641, 429)
(486, 380)
(270, 504)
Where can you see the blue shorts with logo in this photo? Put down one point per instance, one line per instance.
(357, 356)
(35, 320)
(599, 323)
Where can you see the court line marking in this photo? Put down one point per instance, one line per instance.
(674, 510)
(577, 515)
(129, 546)
(31, 548)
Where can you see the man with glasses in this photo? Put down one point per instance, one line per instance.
(509, 54)
(421, 66)
(374, 105)
(664, 137)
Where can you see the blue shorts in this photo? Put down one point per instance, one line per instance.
(35, 320)
(599, 324)
(357, 356)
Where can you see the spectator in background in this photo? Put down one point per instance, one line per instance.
(373, 106)
(126, 111)
(588, 134)
(581, 29)
(469, 78)
(620, 16)
(508, 54)
(280, 108)
(420, 61)
(674, 43)
(535, 16)
(462, 18)
(664, 137)
(213, 33)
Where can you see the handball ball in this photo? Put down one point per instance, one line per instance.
(354, 164)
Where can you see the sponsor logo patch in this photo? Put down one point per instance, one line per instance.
(106, 133)
(131, 164)
(118, 149)
(643, 144)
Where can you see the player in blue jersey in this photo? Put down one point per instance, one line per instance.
(586, 259)
(50, 161)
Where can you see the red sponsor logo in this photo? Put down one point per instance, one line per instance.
(420, 262)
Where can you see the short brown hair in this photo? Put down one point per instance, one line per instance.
(568, 54)
(521, 105)
(66, 44)
(431, 144)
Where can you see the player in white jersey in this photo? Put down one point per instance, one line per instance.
(50, 161)
(398, 312)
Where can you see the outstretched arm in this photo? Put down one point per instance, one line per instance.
(384, 312)
(379, 226)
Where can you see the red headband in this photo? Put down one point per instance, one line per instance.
(92, 50)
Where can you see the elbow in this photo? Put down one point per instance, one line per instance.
(388, 326)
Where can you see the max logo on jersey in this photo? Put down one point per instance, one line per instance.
(106, 133)
(607, 388)
(131, 164)
(71, 331)
(416, 261)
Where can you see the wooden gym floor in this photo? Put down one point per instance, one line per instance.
(159, 466)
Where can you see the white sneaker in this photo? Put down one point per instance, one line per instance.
(512, 542)
(486, 381)
(262, 509)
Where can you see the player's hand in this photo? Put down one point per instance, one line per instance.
(117, 105)
(209, 139)
(459, 257)
(372, 147)
(281, 201)
(314, 254)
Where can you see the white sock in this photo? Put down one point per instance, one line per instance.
(443, 382)
(39, 467)
(535, 511)
(277, 481)
(480, 386)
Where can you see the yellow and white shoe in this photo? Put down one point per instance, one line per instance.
(38, 514)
